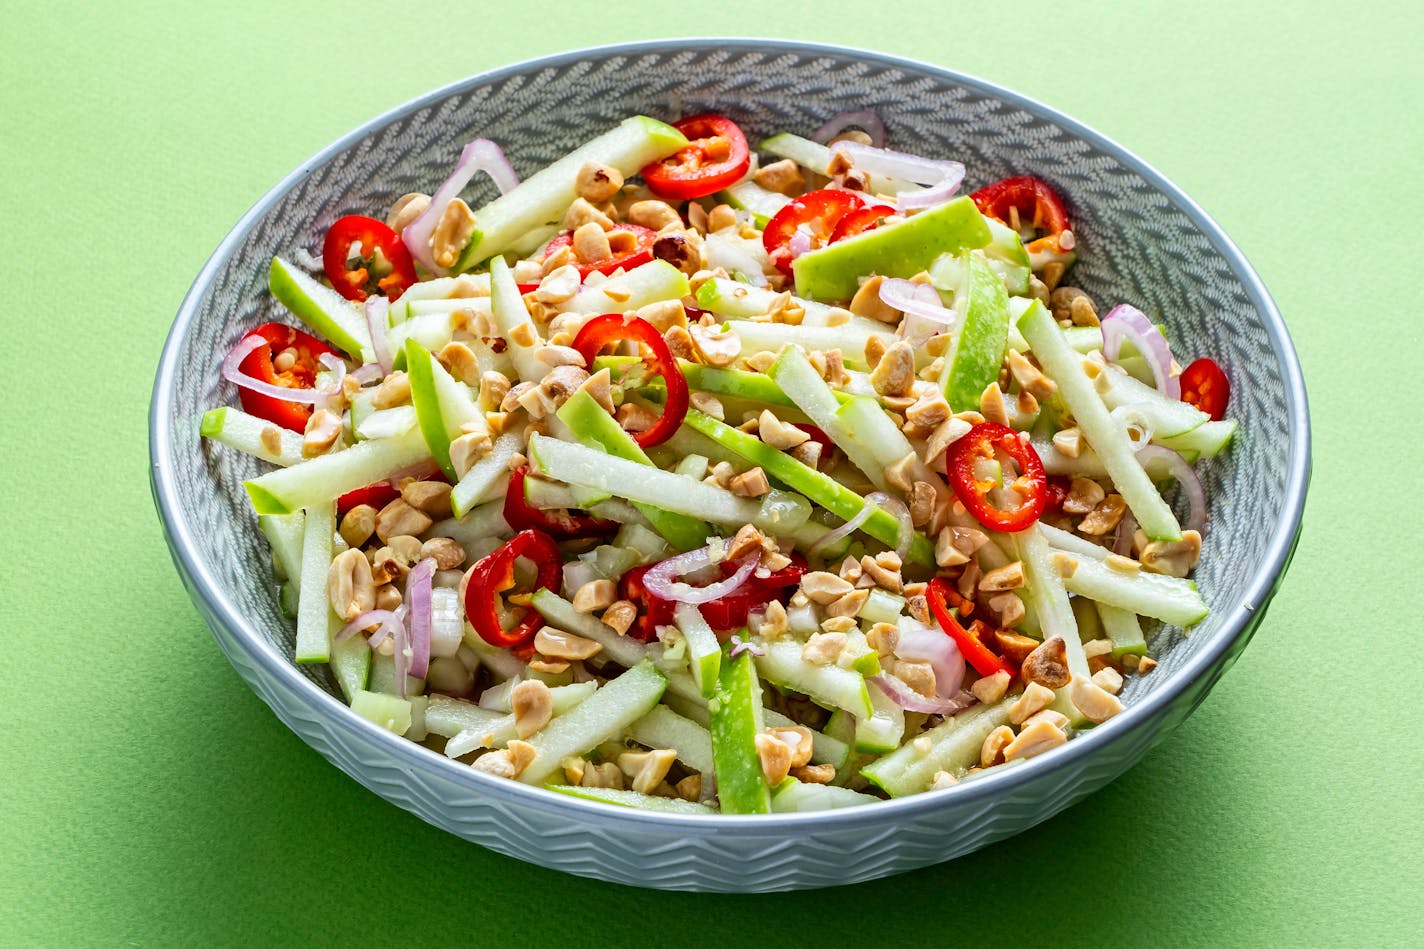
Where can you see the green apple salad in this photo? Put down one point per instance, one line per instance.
(692, 478)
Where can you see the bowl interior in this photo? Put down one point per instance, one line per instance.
(1138, 244)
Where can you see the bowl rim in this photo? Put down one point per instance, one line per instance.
(219, 605)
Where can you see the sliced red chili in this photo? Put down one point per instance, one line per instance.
(1056, 493)
(611, 328)
(716, 156)
(305, 352)
(520, 515)
(1025, 200)
(493, 575)
(979, 656)
(723, 614)
(983, 443)
(828, 447)
(1205, 385)
(362, 256)
(629, 245)
(379, 494)
(819, 212)
(860, 220)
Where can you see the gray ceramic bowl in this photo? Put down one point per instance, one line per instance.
(1143, 241)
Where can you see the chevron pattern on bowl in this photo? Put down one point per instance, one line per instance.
(1142, 241)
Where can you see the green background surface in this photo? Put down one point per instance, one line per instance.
(146, 796)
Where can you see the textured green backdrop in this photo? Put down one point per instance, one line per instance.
(147, 797)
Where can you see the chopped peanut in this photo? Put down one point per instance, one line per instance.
(1108, 679)
(990, 689)
(824, 587)
(557, 644)
(775, 758)
(1008, 577)
(822, 649)
(619, 616)
(1104, 516)
(992, 751)
(1034, 739)
(647, 768)
(532, 705)
(783, 177)
(1034, 699)
(595, 595)
(1048, 664)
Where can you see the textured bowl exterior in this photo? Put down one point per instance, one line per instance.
(1142, 241)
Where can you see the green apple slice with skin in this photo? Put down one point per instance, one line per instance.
(284, 535)
(977, 347)
(1168, 417)
(742, 301)
(1123, 630)
(487, 478)
(818, 487)
(736, 718)
(313, 606)
(515, 325)
(634, 799)
(236, 429)
(445, 408)
(350, 660)
(579, 464)
(884, 729)
(954, 747)
(543, 197)
(1169, 599)
(1108, 438)
(817, 158)
(652, 282)
(760, 203)
(894, 250)
(828, 686)
(792, 797)
(733, 383)
(391, 713)
(1206, 441)
(323, 479)
(501, 731)
(849, 338)
(825, 749)
(664, 728)
(592, 426)
(704, 652)
(1006, 256)
(325, 311)
(794, 373)
(604, 716)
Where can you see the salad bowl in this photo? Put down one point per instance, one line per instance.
(1147, 242)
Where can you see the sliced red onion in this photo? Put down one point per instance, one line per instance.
(417, 596)
(367, 374)
(659, 580)
(942, 177)
(384, 619)
(912, 701)
(874, 501)
(916, 299)
(1122, 540)
(376, 309)
(868, 120)
(932, 645)
(1178, 468)
(232, 372)
(479, 155)
(800, 242)
(732, 256)
(1128, 322)
(740, 645)
(905, 534)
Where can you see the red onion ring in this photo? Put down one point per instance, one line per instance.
(800, 241)
(905, 535)
(915, 299)
(479, 155)
(1122, 540)
(376, 309)
(740, 645)
(659, 580)
(942, 177)
(912, 701)
(417, 597)
(384, 618)
(367, 373)
(867, 120)
(921, 642)
(232, 372)
(1128, 322)
(874, 501)
(1178, 468)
